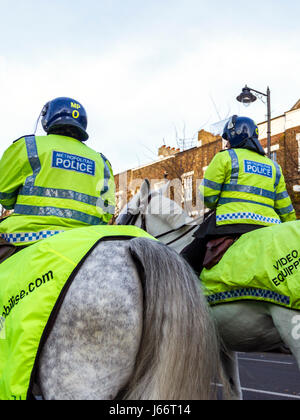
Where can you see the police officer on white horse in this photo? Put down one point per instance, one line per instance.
(54, 183)
(245, 191)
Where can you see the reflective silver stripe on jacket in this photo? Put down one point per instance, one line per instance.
(106, 175)
(249, 189)
(58, 212)
(67, 194)
(234, 166)
(241, 188)
(33, 159)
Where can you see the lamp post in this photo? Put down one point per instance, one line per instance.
(247, 97)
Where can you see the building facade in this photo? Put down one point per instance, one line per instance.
(185, 169)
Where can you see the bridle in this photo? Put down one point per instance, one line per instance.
(175, 230)
(132, 218)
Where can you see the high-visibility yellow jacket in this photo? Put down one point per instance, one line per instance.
(53, 183)
(40, 276)
(262, 265)
(246, 187)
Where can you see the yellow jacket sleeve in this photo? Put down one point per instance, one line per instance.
(214, 178)
(108, 195)
(13, 167)
(283, 205)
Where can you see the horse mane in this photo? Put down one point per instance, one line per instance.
(177, 322)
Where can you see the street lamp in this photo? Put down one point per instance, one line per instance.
(247, 97)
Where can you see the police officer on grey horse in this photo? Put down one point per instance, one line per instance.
(244, 189)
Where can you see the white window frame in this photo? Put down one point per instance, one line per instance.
(274, 148)
(119, 200)
(224, 144)
(187, 186)
(298, 141)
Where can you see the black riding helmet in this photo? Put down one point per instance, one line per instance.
(65, 116)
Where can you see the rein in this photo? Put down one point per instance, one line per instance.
(175, 230)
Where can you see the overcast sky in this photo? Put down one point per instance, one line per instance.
(143, 70)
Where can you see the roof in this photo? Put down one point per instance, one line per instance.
(296, 106)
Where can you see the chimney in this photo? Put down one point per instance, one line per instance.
(204, 137)
(165, 151)
(162, 151)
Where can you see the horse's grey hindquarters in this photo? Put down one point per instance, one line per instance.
(120, 334)
(254, 326)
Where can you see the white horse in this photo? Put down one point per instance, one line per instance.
(134, 324)
(164, 218)
(244, 326)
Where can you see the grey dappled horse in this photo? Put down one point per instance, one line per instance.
(133, 325)
(246, 326)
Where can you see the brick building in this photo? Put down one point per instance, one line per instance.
(185, 169)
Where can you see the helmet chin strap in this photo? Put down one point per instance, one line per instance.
(37, 122)
(42, 113)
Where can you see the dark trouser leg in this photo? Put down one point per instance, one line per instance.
(194, 254)
(7, 250)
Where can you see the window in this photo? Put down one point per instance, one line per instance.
(273, 154)
(187, 184)
(120, 202)
(298, 140)
(224, 144)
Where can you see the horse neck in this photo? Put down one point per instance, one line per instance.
(179, 239)
(174, 235)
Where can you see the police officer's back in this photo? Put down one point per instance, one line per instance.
(55, 182)
(245, 188)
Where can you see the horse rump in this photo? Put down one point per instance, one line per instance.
(178, 358)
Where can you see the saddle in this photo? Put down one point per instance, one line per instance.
(7, 249)
(215, 249)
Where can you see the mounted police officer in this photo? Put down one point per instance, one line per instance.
(245, 191)
(54, 182)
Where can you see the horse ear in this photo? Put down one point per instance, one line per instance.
(144, 191)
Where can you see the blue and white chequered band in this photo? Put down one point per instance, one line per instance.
(28, 236)
(251, 293)
(247, 216)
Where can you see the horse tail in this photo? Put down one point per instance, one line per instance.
(178, 358)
